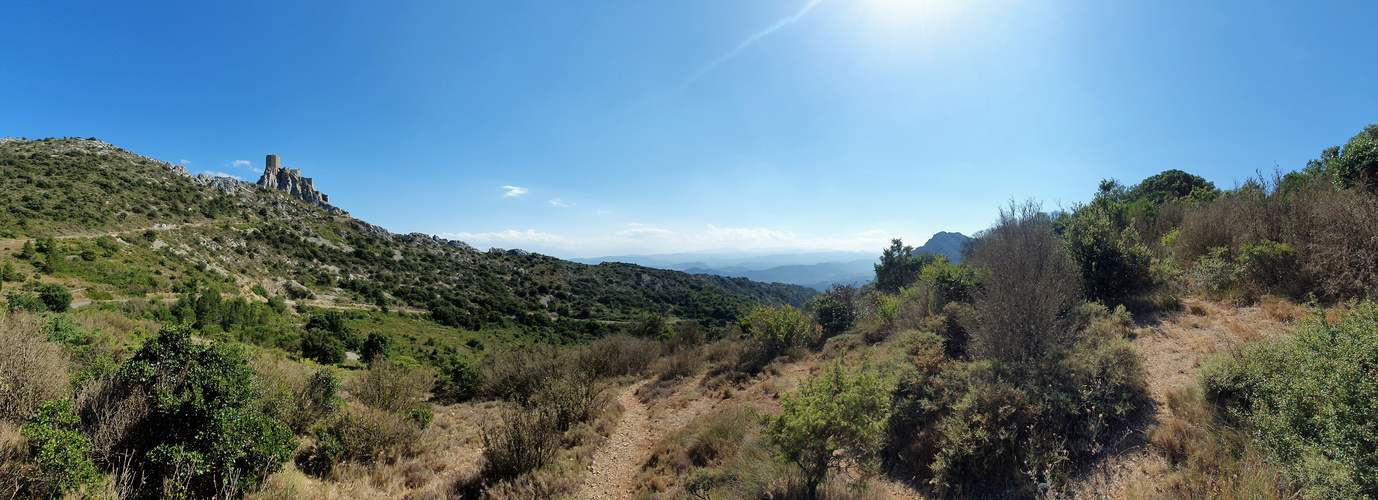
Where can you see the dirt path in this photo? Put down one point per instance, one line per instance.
(615, 465)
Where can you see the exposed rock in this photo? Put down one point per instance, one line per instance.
(291, 181)
(372, 230)
(228, 185)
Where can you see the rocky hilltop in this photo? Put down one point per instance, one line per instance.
(291, 181)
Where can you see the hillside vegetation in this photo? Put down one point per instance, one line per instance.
(214, 358)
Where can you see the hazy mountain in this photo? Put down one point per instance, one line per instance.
(817, 270)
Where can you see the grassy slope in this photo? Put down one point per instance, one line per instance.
(201, 238)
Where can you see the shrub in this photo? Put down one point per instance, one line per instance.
(60, 450)
(1269, 265)
(966, 425)
(293, 394)
(19, 301)
(1311, 399)
(835, 310)
(779, 328)
(32, 369)
(1215, 272)
(364, 435)
(517, 375)
(1031, 280)
(378, 345)
(525, 440)
(615, 356)
(1114, 265)
(203, 427)
(570, 400)
(829, 413)
(392, 387)
(323, 347)
(53, 295)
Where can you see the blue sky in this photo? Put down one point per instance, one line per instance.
(593, 128)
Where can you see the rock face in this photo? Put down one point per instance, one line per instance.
(291, 181)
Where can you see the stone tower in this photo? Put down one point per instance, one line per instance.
(291, 181)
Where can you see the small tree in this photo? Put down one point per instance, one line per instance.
(830, 413)
(899, 266)
(28, 251)
(57, 298)
(379, 345)
(323, 347)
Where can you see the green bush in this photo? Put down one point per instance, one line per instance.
(1312, 399)
(60, 450)
(378, 345)
(780, 328)
(835, 310)
(1216, 273)
(53, 295)
(967, 425)
(1114, 265)
(19, 301)
(204, 426)
(1269, 266)
(833, 412)
(323, 347)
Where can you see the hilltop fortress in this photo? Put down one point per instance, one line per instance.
(291, 181)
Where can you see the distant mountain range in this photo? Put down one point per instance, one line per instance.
(817, 270)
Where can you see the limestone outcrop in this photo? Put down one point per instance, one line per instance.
(291, 181)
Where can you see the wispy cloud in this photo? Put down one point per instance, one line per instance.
(557, 202)
(641, 232)
(639, 237)
(185, 161)
(514, 191)
(872, 232)
(752, 39)
(509, 236)
(242, 163)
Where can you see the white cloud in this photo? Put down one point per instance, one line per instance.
(639, 232)
(561, 204)
(514, 191)
(872, 232)
(242, 163)
(748, 234)
(213, 173)
(185, 161)
(507, 237)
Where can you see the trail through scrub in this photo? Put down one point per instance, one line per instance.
(615, 466)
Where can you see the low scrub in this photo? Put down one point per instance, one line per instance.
(981, 426)
(32, 368)
(1328, 444)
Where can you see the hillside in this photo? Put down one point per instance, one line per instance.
(1165, 340)
(175, 233)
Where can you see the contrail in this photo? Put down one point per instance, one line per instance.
(750, 40)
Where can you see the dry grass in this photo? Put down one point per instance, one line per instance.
(14, 452)
(448, 449)
(32, 369)
(116, 325)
